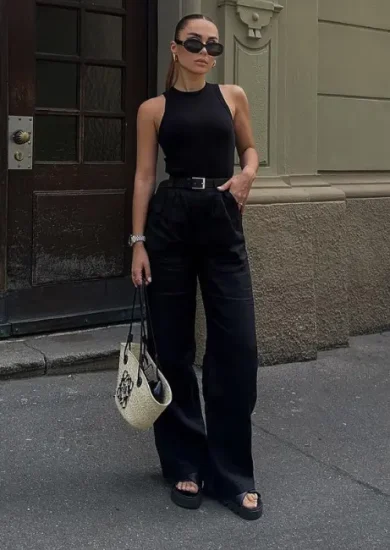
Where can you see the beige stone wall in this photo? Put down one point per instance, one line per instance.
(317, 223)
(353, 135)
(354, 85)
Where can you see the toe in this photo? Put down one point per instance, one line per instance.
(192, 487)
(187, 486)
(250, 500)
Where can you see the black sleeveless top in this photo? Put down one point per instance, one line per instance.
(197, 134)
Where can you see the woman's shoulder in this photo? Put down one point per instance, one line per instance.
(152, 107)
(235, 97)
(235, 92)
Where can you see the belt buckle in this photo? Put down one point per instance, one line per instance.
(198, 183)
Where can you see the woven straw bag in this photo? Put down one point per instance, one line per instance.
(142, 392)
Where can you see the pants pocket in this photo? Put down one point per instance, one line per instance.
(156, 202)
(231, 196)
(233, 206)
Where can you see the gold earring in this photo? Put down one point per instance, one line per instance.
(175, 58)
(214, 64)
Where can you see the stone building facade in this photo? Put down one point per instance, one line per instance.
(318, 220)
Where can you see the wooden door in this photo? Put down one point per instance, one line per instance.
(79, 69)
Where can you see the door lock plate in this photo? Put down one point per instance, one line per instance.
(20, 142)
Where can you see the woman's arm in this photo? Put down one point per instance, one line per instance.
(145, 179)
(240, 184)
(145, 176)
(246, 147)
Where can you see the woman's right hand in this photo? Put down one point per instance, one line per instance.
(140, 269)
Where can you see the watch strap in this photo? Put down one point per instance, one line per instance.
(136, 239)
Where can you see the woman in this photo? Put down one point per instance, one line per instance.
(192, 229)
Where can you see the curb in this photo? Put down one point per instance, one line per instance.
(63, 353)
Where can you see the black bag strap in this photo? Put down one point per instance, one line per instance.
(146, 326)
(130, 336)
(150, 326)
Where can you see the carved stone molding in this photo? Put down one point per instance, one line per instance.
(255, 14)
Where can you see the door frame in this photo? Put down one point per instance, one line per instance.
(3, 147)
(149, 72)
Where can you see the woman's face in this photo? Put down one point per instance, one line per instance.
(202, 62)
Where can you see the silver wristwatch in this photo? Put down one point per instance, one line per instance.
(136, 239)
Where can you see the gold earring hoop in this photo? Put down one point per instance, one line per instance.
(214, 64)
(175, 58)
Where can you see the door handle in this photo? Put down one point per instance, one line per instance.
(20, 142)
(21, 137)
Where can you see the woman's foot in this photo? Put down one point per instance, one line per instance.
(187, 486)
(247, 505)
(250, 501)
(187, 494)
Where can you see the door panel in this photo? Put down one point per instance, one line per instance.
(81, 71)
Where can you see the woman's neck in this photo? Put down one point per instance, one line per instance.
(187, 82)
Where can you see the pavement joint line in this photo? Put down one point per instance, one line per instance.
(28, 345)
(333, 467)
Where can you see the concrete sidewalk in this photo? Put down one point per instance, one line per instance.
(74, 476)
(73, 351)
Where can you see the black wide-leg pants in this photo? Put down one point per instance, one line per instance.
(197, 235)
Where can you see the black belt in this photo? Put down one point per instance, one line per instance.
(197, 184)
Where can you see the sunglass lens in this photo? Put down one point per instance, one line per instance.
(193, 46)
(214, 48)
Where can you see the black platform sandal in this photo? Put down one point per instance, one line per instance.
(187, 499)
(236, 505)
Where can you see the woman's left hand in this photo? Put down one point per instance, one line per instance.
(239, 186)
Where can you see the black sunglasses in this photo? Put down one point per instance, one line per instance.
(193, 45)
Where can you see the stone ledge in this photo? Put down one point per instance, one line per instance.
(365, 190)
(360, 186)
(324, 187)
(293, 189)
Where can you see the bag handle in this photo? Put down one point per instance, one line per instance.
(146, 324)
(150, 324)
(146, 332)
(130, 336)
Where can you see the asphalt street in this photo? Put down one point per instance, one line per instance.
(74, 476)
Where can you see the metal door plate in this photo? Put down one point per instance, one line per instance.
(20, 157)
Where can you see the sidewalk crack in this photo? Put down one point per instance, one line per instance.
(30, 346)
(336, 469)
